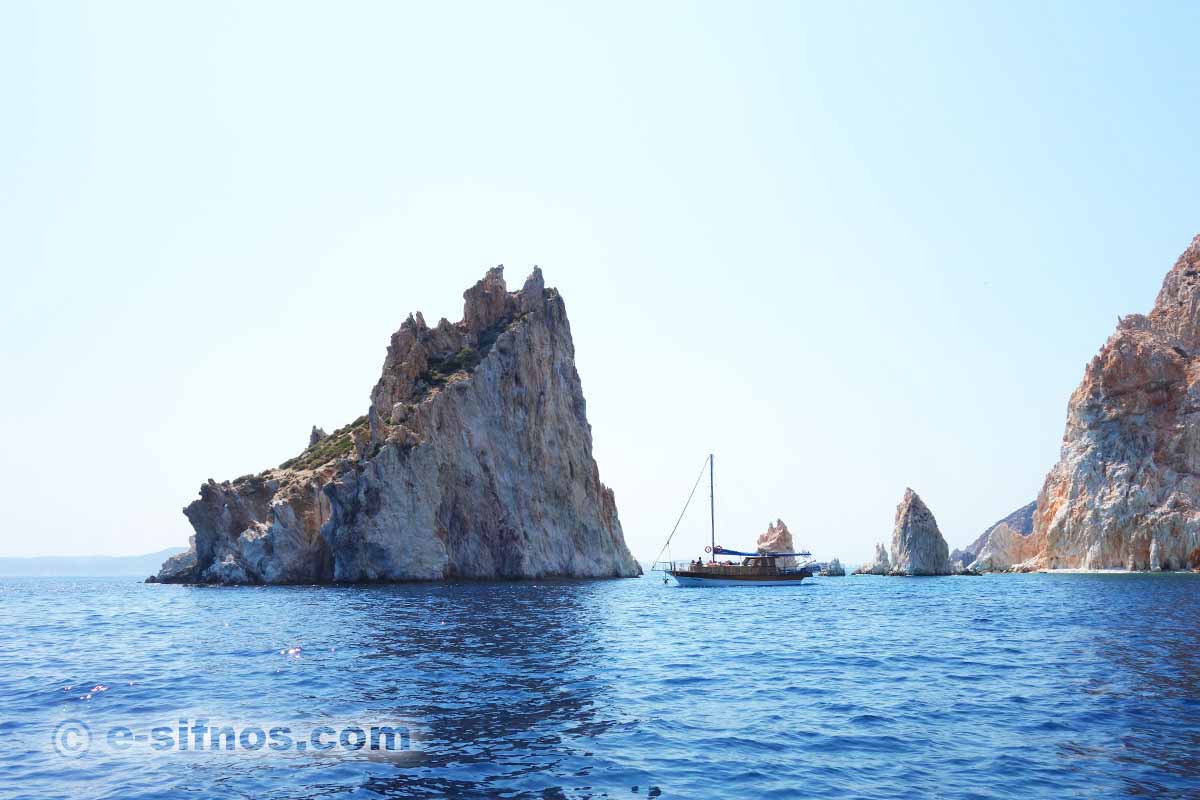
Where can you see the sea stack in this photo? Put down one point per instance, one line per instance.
(473, 460)
(833, 569)
(777, 539)
(917, 545)
(1125, 493)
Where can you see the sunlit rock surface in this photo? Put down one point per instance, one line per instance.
(880, 565)
(1125, 493)
(1004, 549)
(1020, 521)
(473, 460)
(777, 539)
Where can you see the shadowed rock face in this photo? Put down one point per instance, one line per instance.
(473, 460)
(917, 545)
(1125, 493)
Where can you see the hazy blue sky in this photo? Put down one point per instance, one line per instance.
(848, 247)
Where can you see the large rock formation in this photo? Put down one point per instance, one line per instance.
(917, 545)
(1019, 521)
(880, 565)
(473, 460)
(777, 539)
(1125, 493)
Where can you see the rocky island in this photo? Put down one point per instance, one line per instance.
(474, 460)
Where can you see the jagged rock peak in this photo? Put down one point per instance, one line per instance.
(879, 565)
(474, 459)
(918, 547)
(777, 539)
(833, 569)
(421, 360)
(488, 301)
(1177, 308)
(316, 435)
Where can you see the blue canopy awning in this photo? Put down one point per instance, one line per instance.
(718, 550)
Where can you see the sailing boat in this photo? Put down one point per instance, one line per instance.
(755, 569)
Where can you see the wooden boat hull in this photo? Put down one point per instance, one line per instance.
(697, 579)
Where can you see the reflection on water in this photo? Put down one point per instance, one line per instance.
(1001, 686)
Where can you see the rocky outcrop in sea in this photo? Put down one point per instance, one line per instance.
(777, 539)
(918, 547)
(880, 565)
(474, 460)
(833, 569)
(1125, 493)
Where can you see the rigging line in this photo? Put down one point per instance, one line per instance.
(695, 486)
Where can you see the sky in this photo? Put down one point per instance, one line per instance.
(847, 247)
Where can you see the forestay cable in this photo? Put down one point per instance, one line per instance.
(695, 486)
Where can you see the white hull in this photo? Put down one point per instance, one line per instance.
(682, 581)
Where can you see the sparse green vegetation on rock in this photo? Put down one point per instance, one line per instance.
(334, 446)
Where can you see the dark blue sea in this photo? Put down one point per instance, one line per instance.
(1021, 686)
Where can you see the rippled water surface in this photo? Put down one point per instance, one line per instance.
(999, 686)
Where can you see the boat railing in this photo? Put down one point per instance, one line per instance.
(731, 568)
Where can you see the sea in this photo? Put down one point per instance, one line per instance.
(1005, 686)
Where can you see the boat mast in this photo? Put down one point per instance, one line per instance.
(712, 508)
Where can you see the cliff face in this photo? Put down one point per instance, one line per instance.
(777, 539)
(1125, 493)
(473, 460)
(917, 545)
